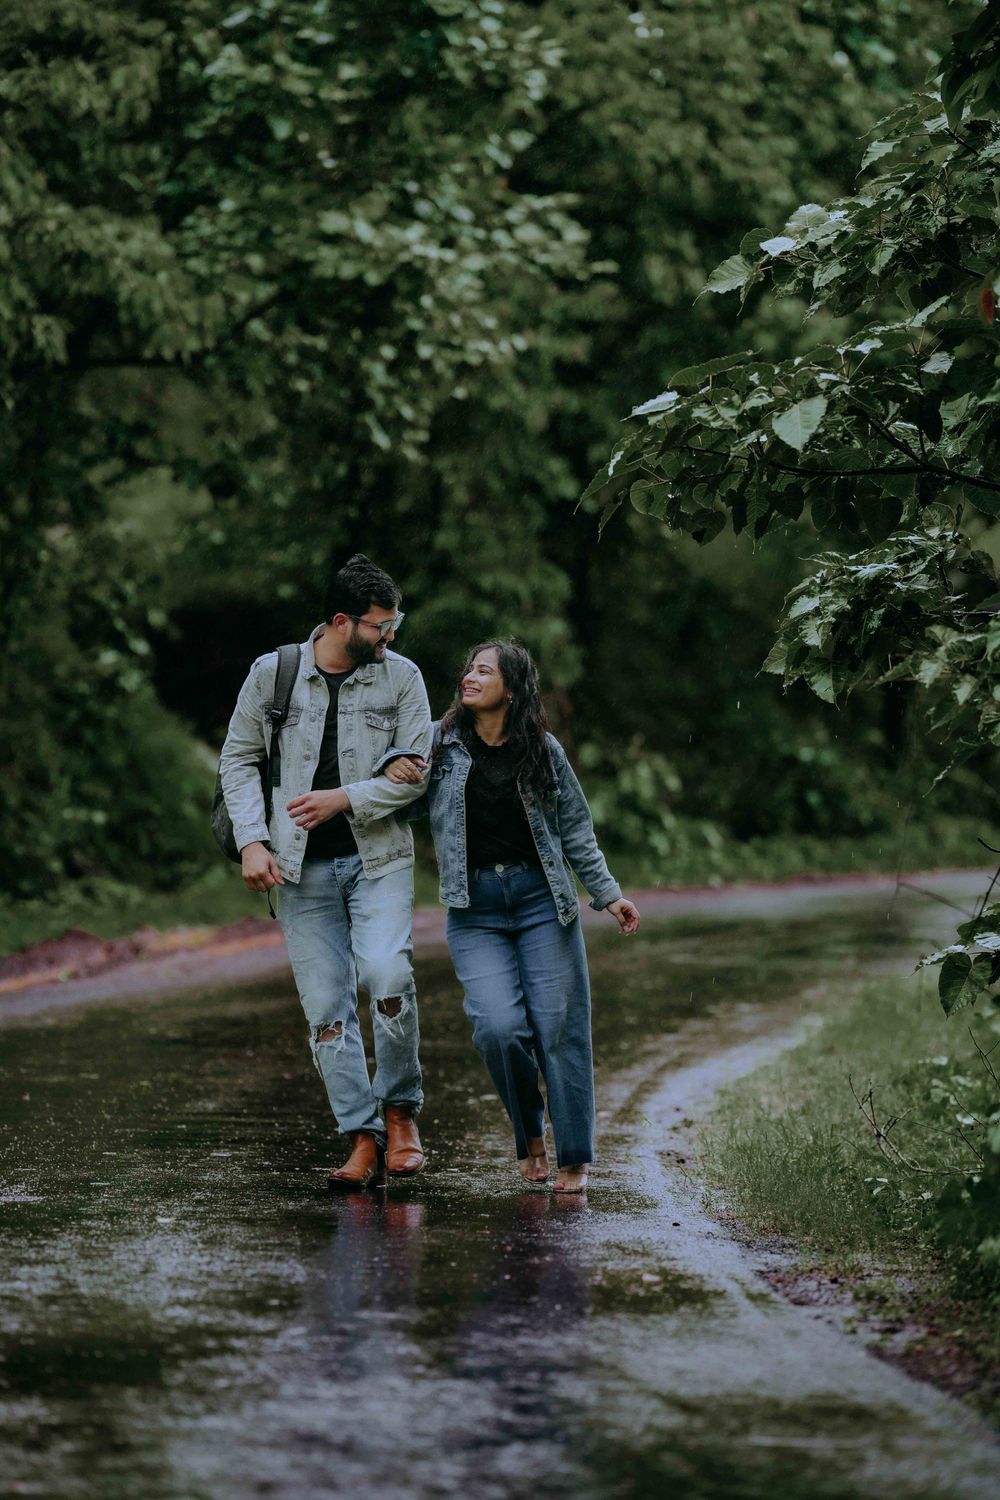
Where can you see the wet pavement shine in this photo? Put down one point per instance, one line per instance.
(189, 1315)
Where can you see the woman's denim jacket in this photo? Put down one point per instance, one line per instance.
(562, 829)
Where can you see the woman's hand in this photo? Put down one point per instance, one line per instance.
(405, 769)
(626, 914)
(317, 807)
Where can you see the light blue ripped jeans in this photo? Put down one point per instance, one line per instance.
(343, 930)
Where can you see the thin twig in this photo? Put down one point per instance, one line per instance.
(887, 1148)
(971, 1147)
(933, 896)
(984, 1056)
(989, 888)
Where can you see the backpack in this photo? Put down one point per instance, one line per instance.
(269, 769)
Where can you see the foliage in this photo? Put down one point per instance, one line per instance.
(887, 438)
(287, 280)
(129, 799)
(969, 968)
(634, 801)
(244, 252)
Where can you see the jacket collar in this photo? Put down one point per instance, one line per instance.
(310, 669)
(451, 736)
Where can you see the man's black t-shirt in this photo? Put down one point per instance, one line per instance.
(334, 838)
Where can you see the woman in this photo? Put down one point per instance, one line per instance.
(507, 814)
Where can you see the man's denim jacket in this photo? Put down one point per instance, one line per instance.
(562, 829)
(381, 702)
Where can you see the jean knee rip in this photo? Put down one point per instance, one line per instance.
(390, 1011)
(326, 1034)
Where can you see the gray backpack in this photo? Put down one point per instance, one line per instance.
(269, 768)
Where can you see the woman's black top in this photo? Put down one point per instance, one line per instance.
(496, 824)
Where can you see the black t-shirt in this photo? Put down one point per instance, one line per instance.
(496, 824)
(334, 838)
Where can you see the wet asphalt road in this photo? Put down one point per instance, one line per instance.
(187, 1315)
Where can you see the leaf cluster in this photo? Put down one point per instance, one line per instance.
(887, 440)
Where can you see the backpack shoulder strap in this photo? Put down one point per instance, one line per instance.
(289, 661)
(286, 671)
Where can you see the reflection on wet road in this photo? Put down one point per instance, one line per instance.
(187, 1314)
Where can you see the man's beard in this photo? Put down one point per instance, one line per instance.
(361, 652)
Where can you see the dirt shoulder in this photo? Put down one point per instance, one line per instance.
(79, 968)
(907, 1322)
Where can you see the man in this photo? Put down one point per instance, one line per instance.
(343, 856)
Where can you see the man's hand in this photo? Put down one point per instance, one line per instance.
(318, 807)
(626, 915)
(260, 869)
(407, 768)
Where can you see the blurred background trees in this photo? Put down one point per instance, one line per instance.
(317, 275)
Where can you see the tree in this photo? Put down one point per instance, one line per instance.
(243, 254)
(886, 438)
(298, 277)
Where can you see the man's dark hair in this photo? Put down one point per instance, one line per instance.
(357, 585)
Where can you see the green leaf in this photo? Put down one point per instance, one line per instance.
(808, 216)
(777, 658)
(649, 497)
(819, 676)
(797, 425)
(730, 276)
(663, 402)
(607, 513)
(876, 150)
(779, 245)
(963, 979)
(828, 273)
(880, 513)
(698, 374)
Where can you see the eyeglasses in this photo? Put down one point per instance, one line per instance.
(382, 626)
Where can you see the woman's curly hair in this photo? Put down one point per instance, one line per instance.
(526, 724)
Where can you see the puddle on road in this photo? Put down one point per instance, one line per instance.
(639, 1289)
(187, 1314)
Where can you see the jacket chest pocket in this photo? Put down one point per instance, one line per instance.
(384, 719)
(294, 714)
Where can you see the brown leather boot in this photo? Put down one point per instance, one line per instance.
(404, 1154)
(365, 1167)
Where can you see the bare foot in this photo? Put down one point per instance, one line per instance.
(572, 1179)
(535, 1166)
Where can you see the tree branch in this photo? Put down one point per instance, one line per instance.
(923, 466)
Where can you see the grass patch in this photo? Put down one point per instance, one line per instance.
(938, 843)
(789, 1152)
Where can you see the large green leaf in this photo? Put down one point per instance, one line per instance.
(796, 425)
(698, 374)
(880, 513)
(730, 276)
(962, 980)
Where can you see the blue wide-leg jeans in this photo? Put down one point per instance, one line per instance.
(341, 930)
(527, 994)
